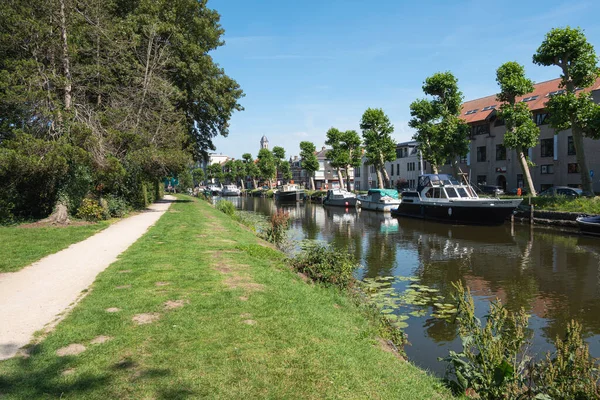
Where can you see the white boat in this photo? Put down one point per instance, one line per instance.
(440, 197)
(385, 200)
(214, 189)
(340, 198)
(290, 192)
(230, 190)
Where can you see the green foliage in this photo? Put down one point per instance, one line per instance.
(90, 210)
(494, 363)
(215, 171)
(325, 265)
(251, 168)
(346, 149)
(285, 169)
(310, 163)
(226, 207)
(267, 165)
(186, 181)
(117, 206)
(198, 175)
(441, 134)
(379, 144)
(276, 231)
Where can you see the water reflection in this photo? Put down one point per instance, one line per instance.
(556, 277)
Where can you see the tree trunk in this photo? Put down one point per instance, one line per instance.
(434, 168)
(586, 179)
(379, 178)
(526, 172)
(65, 55)
(59, 216)
(348, 184)
(254, 183)
(384, 171)
(340, 177)
(312, 182)
(242, 182)
(455, 169)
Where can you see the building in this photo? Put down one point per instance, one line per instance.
(489, 162)
(403, 171)
(264, 143)
(214, 158)
(327, 177)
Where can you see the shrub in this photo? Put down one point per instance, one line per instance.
(226, 207)
(117, 206)
(324, 264)
(90, 210)
(276, 232)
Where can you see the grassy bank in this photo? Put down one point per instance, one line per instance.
(22, 245)
(225, 319)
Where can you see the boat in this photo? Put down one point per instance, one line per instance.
(589, 225)
(384, 200)
(230, 190)
(290, 192)
(340, 198)
(214, 189)
(441, 197)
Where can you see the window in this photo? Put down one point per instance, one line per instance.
(357, 172)
(424, 166)
(398, 152)
(547, 169)
(372, 169)
(481, 154)
(499, 122)
(463, 159)
(530, 98)
(573, 168)
(451, 193)
(570, 146)
(410, 166)
(541, 119)
(481, 179)
(480, 129)
(471, 111)
(500, 152)
(398, 169)
(547, 147)
(489, 108)
(392, 170)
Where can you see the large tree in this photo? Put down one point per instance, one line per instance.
(346, 152)
(521, 132)
(379, 144)
(441, 134)
(267, 166)
(279, 157)
(251, 168)
(215, 172)
(569, 49)
(309, 161)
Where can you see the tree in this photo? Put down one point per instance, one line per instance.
(198, 175)
(379, 145)
(239, 171)
(279, 157)
(309, 161)
(215, 172)
(569, 49)
(346, 152)
(521, 132)
(251, 168)
(286, 170)
(267, 166)
(441, 134)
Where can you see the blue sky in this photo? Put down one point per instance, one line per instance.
(308, 65)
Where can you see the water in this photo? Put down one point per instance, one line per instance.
(554, 275)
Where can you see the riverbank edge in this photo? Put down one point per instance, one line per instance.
(200, 306)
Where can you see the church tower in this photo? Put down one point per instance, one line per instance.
(264, 143)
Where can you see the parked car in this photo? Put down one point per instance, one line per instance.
(490, 189)
(565, 191)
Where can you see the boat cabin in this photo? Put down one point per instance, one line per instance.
(442, 186)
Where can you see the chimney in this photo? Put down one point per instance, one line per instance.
(323, 148)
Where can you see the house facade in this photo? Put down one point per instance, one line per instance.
(327, 177)
(554, 159)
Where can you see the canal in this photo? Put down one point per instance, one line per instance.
(553, 275)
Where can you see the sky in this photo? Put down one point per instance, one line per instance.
(309, 65)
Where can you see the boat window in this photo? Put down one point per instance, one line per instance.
(429, 193)
(436, 193)
(451, 193)
(462, 192)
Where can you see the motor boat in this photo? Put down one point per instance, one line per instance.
(290, 192)
(214, 189)
(589, 225)
(230, 190)
(384, 200)
(441, 197)
(340, 198)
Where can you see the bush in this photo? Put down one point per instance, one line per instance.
(117, 206)
(323, 264)
(226, 207)
(276, 232)
(90, 210)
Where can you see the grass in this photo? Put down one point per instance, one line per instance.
(21, 246)
(248, 329)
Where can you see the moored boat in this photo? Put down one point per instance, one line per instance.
(441, 197)
(230, 190)
(340, 198)
(385, 200)
(213, 189)
(290, 192)
(589, 225)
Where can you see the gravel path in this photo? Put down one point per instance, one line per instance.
(35, 296)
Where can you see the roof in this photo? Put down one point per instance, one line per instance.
(479, 110)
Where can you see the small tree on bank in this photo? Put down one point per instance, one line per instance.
(379, 144)
(441, 134)
(251, 168)
(521, 132)
(569, 49)
(267, 166)
(309, 161)
(215, 172)
(346, 152)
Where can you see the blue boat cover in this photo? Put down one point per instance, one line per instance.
(393, 193)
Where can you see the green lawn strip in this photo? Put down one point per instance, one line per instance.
(248, 328)
(21, 246)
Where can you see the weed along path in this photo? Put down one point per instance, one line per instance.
(35, 296)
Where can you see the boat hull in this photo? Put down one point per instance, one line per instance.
(347, 202)
(472, 214)
(228, 193)
(290, 196)
(589, 225)
(377, 206)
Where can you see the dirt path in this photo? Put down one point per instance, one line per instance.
(35, 296)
